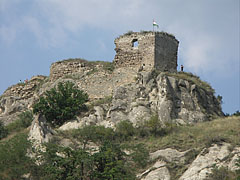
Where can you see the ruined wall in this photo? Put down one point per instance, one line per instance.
(24, 90)
(95, 78)
(166, 47)
(68, 67)
(129, 56)
(154, 50)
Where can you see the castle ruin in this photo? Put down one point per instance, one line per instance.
(147, 50)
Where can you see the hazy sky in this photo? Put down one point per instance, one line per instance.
(36, 33)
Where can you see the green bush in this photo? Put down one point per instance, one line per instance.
(61, 103)
(96, 134)
(108, 163)
(23, 121)
(139, 155)
(221, 173)
(3, 131)
(14, 162)
(125, 130)
(237, 113)
(154, 126)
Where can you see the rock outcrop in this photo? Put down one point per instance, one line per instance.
(216, 156)
(173, 100)
(40, 132)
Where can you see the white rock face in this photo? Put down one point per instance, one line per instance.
(236, 155)
(40, 132)
(171, 155)
(158, 174)
(204, 162)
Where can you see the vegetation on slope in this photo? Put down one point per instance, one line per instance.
(61, 103)
(194, 79)
(121, 150)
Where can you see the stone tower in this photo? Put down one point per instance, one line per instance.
(147, 50)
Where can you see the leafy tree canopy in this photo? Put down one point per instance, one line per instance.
(61, 103)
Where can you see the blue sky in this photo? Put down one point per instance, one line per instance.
(36, 33)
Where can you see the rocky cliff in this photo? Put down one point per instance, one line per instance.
(126, 94)
(134, 97)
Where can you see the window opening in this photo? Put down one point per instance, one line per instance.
(134, 43)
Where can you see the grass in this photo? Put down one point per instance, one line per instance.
(198, 136)
(194, 137)
(24, 120)
(194, 79)
(105, 100)
(108, 66)
(128, 33)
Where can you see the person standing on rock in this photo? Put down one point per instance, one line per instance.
(182, 68)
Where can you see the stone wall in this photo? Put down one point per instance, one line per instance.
(95, 78)
(166, 48)
(68, 67)
(128, 55)
(26, 89)
(153, 50)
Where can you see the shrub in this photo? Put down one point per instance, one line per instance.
(61, 103)
(24, 120)
(3, 131)
(140, 155)
(237, 113)
(108, 163)
(96, 134)
(154, 126)
(14, 162)
(125, 129)
(221, 173)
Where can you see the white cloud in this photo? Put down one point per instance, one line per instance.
(7, 34)
(207, 30)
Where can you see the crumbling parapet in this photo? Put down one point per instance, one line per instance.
(147, 50)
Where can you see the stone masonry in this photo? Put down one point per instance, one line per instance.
(135, 51)
(147, 50)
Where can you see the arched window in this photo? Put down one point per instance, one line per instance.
(134, 43)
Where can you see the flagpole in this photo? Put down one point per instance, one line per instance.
(153, 26)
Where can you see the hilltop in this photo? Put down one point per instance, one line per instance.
(165, 124)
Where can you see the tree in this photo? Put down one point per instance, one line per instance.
(64, 163)
(110, 163)
(154, 125)
(3, 131)
(61, 103)
(125, 129)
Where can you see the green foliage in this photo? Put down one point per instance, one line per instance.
(221, 173)
(140, 155)
(3, 131)
(14, 162)
(110, 163)
(64, 163)
(105, 100)
(125, 129)
(153, 127)
(237, 113)
(23, 121)
(61, 103)
(108, 66)
(96, 134)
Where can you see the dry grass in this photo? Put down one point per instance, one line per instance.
(194, 79)
(198, 136)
